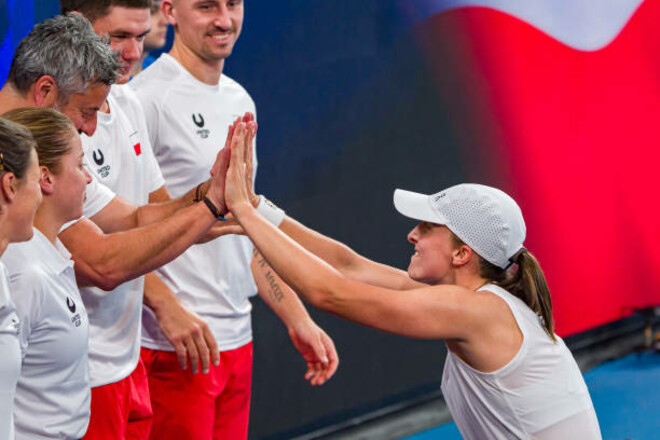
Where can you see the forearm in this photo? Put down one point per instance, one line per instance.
(276, 293)
(157, 296)
(162, 206)
(107, 260)
(308, 275)
(351, 264)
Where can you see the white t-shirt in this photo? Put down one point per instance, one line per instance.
(10, 366)
(97, 195)
(188, 122)
(539, 394)
(53, 395)
(120, 157)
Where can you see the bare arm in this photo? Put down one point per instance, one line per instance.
(447, 312)
(187, 332)
(107, 260)
(347, 261)
(311, 341)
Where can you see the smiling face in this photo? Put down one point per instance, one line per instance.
(207, 28)
(434, 252)
(126, 28)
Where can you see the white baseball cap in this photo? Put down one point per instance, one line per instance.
(485, 218)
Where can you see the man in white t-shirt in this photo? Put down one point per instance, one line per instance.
(188, 106)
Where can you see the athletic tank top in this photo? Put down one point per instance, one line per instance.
(539, 394)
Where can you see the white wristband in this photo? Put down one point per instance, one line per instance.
(270, 211)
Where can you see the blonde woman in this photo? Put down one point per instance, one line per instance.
(53, 395)
(470, 282)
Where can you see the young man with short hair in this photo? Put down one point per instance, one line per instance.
(189, 105)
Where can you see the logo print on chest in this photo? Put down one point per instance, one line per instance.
(70, 304)
(99, 159)
(76, 319)
(198, 119)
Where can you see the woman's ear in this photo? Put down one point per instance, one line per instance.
(462, 255)
(46, 181)
(8, 186)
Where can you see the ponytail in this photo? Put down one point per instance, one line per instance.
(526, 281)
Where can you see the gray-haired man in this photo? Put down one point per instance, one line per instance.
(62, 64)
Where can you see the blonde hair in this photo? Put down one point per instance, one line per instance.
(50, 129)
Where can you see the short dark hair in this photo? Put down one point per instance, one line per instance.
(95, 9)
(66, 48)
(16, 145)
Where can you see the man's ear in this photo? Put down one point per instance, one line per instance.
(169, 11)
(462, 255)
(45, 92)
(46, 181)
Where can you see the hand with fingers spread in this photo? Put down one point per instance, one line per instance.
(317, 349)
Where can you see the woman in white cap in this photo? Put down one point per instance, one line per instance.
(53, 395)
(470, 282)
(19, 198)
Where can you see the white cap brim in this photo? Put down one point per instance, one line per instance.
(417, 206)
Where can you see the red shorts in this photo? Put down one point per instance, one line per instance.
(121, 410)
(200, 406)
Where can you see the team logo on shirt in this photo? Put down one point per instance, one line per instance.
(198, 119)
(99, 159)
(70, 304)
(75, 319)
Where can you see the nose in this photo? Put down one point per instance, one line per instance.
(132, 50)
(222, 19)
(413, 236)
(89, 126)
(88, 176)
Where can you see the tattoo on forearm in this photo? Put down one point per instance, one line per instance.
(275, 290)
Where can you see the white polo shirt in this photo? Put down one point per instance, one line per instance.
(10, 366)
(53, 395)
(120, 157)
(188, 122)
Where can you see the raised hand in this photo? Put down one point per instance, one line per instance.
(218, 172)
(237, 188)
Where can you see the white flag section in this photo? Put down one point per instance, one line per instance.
(586, 25)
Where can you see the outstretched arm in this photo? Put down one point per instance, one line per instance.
(430, 312)
(107, 260)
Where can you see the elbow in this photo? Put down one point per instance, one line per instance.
(104, 277)
(326, 297)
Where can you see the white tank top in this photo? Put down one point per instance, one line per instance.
(539, 394)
